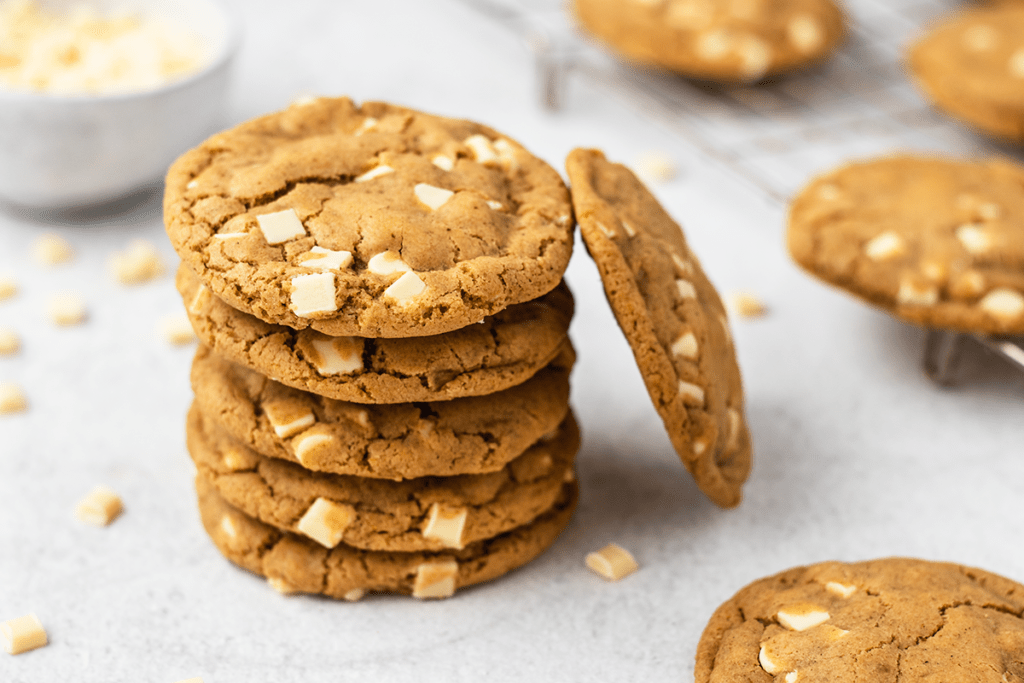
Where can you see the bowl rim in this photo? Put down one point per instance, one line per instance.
(229, 47)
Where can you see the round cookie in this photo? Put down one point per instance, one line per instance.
(671, 316)
(503, 350)
(369, 221)
(293, 563)
(893, 619)
(397, 441)
(430, 513)
(971, 66)
(933, 241)
(717, 40)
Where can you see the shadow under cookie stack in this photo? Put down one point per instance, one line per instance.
(382, 389)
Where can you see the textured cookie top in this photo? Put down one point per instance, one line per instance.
(719, 40)
(373, 221)
(887, 620)
(671, 316)
(972, 65)
(933, 241)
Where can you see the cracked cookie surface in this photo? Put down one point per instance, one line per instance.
(395, 441)
(293, 563)
(717, 40)
(504, 350)
(933, 241)
(430, 513)
(894, 619)
(370, 221)
(673, 319)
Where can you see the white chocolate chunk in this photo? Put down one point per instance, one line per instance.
(968, 284)
(405, 288)
(442, 162)
(564, 220)
(792, 677)
(237, 460)
(66, 309)
(228, 527)
(9, 342)
(686, 289)
(936, 271)
(368, 123)
(288, 418)
(804, 33)
(685, 346)
(612, 562)
(177, 329)
(281, 226)
(1003, 303)
(802, 620)
(386, 263)
(100, 507)
(435, 579)
(913, 293)
(139, 263)
(980, 38)
(336, 355)
(1016, 65)
(691, 393)
(304, 100)
(506, 154)
(655, 167)
(685, 267)
(974, 238)
(766, 662)
(199, 301)
(322, 259)
(22, 634)
(990, 211)
(230, 235)
(354, 595)
(699, 446)
(482, 148)
(308, 443)
(51, 250)
(325, 521)
(192, 184)
(885, 246)
(608, 232)
(630, 230)
(829, 192)
(755, 58)
(313, 294)
(8, 288)
(714, 45)
(281, 586)
(12, 400)
(746, 305)
(433, 197)
(362, 418)
(496, 206)
(446, 524)
(377, 172)
(841, 589)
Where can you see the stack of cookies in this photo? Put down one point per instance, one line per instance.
(382, 387)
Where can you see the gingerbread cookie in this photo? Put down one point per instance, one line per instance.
(893, 619)
(671, 316)
(397, 441)
(717, 40)
(370, 221)
(430, 513)
(503, 350)
(294, 563)
(972, 67)
(933, 241)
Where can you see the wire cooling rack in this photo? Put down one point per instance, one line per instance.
(777, 135)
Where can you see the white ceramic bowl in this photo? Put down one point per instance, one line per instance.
(65, 151)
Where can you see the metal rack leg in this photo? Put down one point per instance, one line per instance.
(941, 355)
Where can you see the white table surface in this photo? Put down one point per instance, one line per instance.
(857, 455)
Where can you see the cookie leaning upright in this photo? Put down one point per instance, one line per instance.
(372, 220)
(671, 316)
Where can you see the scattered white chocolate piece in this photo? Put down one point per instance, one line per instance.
(804, 33)
(974, 238)
(281, 226)
(354, 595)
(495, 206)
(12, 400)
(313, 294)
(655, 167)
(442, 162)
(686, 289)
(746, 305)
(792, 677)
(9, 342)
(51, 250)
(755, 58)
(177, 329)
(482, 148)
(694, 393)
(685, 346)
(386, 263)
(281, 586)
(319, 258)
(199, 301)
(307, 443)
(829, 192)
(840, 589)
(287, 418)
(431, 196)
(139, 263)
(377, 172)
(766, 662)
(236, 459)
(230, 235)
(368, 123)
(435, 579)
(22, 634)
(8, 288)
(228, 528)
(335, 355)
(446, 524)
(405, 288)
(325, 521)
(713, 45)
(66, 309)
(685, 267)
(608, 232)
(612, 562)
(913, 293)
(801, 621)
(885, 246)
(630, 230)
(100, 507)
(1003, 303)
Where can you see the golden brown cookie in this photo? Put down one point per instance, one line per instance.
(893, 619)
(396, 441)
(933, 241)
(370, 221)
(503, 350)
(431, 513)
(971, 66)
(717, 40)
(671, 316)
(293, 563)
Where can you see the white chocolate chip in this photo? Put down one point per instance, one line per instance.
(885, 246)
(1003, 303)
(230, 235)
(841, 589)
(989, 211)
(368, 123)
(281, 226)
(8, 288)
(322, 259)
(51, 250)
(139, 263)
(829, 192)
(746, 305)
(377, 172)
(913, 293)
(192, 184)
(308, 443)
(281, 586)
(685, 346)
(287, 417)
(766, 662)
(974, 238)
(506, 154)
(405, 288)
(362, 418)
(435, 579)
(386, 263)
(442, 162)
(446, 524)
(199, 301)
(792, 677)
(22, 634)
(714, 45)
(980, 38)
(608, 232)
(237, 460)
(968, 284)
(354, 595)
(694, 393)
(482, 148)
(686, 289)
(335, 355)
(630, 230)
(804, 33)
(801, 621)
(325, 521)
(755, 58)
(228, 527)
(655, 167)
(433, 197)
(1016, 65)
(685, 267)
(177, 329)
(66, 309)
(496, 206)
(12, 400)
(612, 562)
(699, 446)
(564, 220)
(313, 294)
(100, 507)
(9, 342)
(936, 271)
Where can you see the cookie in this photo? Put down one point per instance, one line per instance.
(396, 441)
(671, 316)
(369, 221)
(431, 513)
(971, 66)
(717, 40)
(503, 350)
(933, 241)
(294, 563)
(893, 619)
